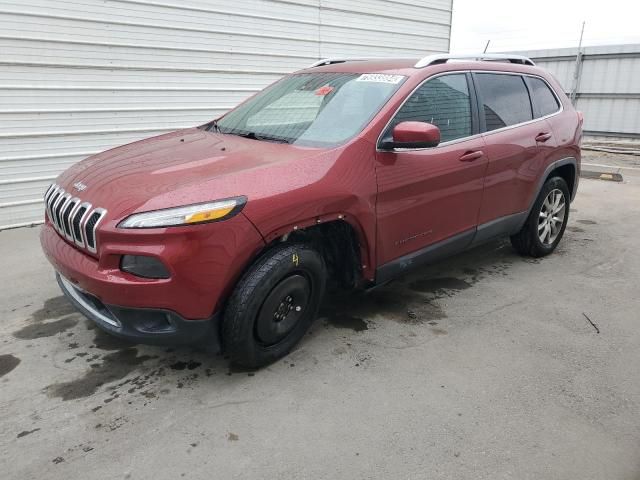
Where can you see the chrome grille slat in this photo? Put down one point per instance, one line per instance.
(73, 219)
(62, 207)
(52, 199)
(84, 209)
(57, 207)
(91, 226)
(69, 210)
(49, 191)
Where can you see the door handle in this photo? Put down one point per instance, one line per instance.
(543, 137)
(472, 156)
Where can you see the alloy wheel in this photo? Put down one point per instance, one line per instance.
(551, 217)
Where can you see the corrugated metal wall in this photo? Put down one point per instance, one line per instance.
(80, 76)
(609, 86)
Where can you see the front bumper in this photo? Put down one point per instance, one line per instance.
(143, 325)
(204, 262)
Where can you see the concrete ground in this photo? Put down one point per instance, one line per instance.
(487, 365)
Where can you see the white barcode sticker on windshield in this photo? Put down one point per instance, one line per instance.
(380, 78)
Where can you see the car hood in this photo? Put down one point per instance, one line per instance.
(185, 167)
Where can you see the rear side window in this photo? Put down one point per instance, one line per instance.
(505, 100)
(442, 101)
(544, 101)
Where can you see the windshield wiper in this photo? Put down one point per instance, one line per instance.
(213, 125)
(260, 136)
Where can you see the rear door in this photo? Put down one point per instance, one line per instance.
(429, 195)
(517, 145)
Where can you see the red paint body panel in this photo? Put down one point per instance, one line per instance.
(516, 161)
(425, 196)
(205, 261)
(397, 202)
(415, 132)
(184, 167)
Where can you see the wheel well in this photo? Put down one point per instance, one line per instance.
(566, 172)
(337, 242)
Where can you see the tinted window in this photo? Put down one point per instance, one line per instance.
(505, 100)
(443, 101)
(543, 99)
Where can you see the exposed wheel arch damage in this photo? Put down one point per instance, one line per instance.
(342, 245)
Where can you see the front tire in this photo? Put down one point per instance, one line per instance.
(273, 305)
(547, 221)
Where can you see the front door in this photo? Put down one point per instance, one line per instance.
(428, 197)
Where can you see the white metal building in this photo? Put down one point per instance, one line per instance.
(606, 88)
(80, 76)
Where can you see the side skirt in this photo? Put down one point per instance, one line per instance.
(507, 225)
(426, 255)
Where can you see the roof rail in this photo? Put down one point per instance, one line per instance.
(332, 61)
(444, 57)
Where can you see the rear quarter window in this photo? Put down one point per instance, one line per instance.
(543, 99)
(505, 100)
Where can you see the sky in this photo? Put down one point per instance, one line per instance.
(517, 25)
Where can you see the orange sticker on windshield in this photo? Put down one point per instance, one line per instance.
(326, 90)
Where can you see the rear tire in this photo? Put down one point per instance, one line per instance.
(547, 221)
(273, 305)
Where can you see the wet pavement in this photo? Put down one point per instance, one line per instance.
(486, 365)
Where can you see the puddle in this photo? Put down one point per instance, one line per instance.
(391, 302)
(240, 369)
(441, 285)
(114, 366)
(104, 341)
(116, 369)
(413, 299)
(53, 308)
(8, 363)
(190, 365)
(439, 331)
(62, 314)
(47, 329)
(342, 320)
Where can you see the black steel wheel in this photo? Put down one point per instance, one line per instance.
(273, 305)
(283, 308)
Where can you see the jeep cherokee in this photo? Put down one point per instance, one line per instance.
(350, 170)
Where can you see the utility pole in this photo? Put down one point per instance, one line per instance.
(486, 47)
(577, 72)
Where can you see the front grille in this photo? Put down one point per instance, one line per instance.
(91, 223)
(67, 217)
(72, 218)
(77, 220)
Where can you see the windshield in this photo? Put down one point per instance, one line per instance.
(312, 109)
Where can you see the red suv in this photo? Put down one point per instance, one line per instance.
(350, 170)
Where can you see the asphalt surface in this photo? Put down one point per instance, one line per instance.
(487, 365)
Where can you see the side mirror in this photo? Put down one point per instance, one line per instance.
(413, 135)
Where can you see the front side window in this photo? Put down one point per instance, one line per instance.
(544, 101)
(312, 109)
(442, 101)
(505, 100)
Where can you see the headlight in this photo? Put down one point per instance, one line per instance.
(188, 215)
